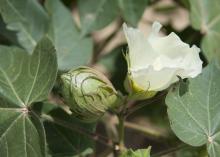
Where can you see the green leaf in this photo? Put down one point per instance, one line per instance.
(96, 14)
(205, 17)
(27, 18)
(137, 153)
(21, 134)
(72, 49)
(66, 135)
(25, 78)
(192, 152)
(194, 110)
(9, 35)
(132, 10)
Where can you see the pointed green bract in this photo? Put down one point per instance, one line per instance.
(25, 78)
(194, 110)
(205, 17)
(27, 18)
(72, 49)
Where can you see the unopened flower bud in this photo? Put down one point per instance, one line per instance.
(88, 93)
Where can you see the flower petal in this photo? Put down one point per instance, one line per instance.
(155, 61)
(155, 29)
(141, 53)
(170, 45)
(191, 65)
(174, 53)
(152, 80)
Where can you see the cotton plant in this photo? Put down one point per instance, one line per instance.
(53, 98)
(154, 63)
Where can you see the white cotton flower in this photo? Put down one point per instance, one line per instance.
(155, 62)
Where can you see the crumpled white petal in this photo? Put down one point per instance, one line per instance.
(155, 61)
(140, 51)
(152, 80)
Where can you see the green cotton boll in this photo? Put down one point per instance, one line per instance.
(88, 93)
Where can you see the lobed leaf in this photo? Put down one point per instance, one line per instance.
(27, 18)
(25, 78)
(73, 50)
(194, 110)
(21, 134)
(205, 17)
(65, 134)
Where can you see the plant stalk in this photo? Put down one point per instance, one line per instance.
(147, 131)
(121, 130)
(121, 126)
(101, 139)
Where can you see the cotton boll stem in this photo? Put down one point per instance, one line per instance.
(121, 126)
(121, 131)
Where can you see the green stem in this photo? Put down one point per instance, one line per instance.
(150, 132)
(144, 103)
(121, 126)
(121, 130)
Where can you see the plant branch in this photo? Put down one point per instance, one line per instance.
(151, 132)
(121, 130)
(99, 138)
(136, 107)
